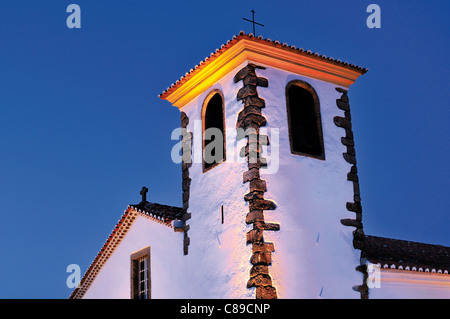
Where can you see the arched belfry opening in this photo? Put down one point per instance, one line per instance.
(213, 119)
(304, 121)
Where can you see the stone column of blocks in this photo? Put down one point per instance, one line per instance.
(186, 159)
(250, 119)
(355, 206)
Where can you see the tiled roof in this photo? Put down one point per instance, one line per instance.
(401, 254)
(165, 212)
(274, 43)
(161, 214)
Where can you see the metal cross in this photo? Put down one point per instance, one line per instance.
(253, 21)
(143, 192)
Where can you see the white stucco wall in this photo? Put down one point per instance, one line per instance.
(314, 256)
(217, 265)
(166, 252)
(313, 250)
(311, 196)
(218, 254)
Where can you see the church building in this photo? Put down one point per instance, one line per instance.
(271, 207)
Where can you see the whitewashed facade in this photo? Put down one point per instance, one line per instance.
(206, 252)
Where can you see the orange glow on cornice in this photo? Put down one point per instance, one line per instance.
(395, 277)
(262, 51)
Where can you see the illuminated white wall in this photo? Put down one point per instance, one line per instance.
(313, 250)
(313, 254)
(166, 252)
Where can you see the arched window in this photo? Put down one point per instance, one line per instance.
(304, 122)
(213, 119)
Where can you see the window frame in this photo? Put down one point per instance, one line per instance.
(134, 272)
(208, 98)
(315, 96)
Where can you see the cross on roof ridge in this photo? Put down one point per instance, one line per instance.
(143, 192)
(253, 22)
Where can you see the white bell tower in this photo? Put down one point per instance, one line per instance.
(277, 213)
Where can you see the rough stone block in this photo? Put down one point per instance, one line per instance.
(264, 258)
(344, 98)
(259, 280)
(255, 80)
(251, 120)
(354, 207)
(351, 159)
(249, 69)
(184, 120)
(259, 269)
(347, 141)
(342, 122)
(352, 177)
(186, 195)
(185, 173)
(349, 134)
(254, 101)
(358, 234)
(258, 185)
(271, 226)
(347, 115)
(250, 175)
(185, 166)
(248, 90)
(254, 236)
(262, 204)
(343, 105)
(186, 184)
(341, 90)
(263, 247)
(254, 216)
(351, 222)
(266, 292)
(253, 195)
(351, 150)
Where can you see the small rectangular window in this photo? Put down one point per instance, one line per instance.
(140, 274)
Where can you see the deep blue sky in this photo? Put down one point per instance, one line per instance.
(82, 128)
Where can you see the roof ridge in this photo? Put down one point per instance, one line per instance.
(407, 241)
(243, 35)
(168, 212)
(406, 253)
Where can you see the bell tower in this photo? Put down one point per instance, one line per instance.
(271, 196)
